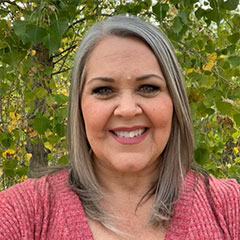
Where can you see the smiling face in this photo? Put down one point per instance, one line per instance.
(126, 106)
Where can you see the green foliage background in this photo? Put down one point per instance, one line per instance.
(37, 44)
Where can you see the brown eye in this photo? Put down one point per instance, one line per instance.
(103, 91)
(148, 89)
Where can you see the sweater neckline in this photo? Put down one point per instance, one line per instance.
(77, 222)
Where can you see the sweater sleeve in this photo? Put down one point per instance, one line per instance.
(21, 211)
(226, 198)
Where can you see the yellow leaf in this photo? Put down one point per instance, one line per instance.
(64, 91)
(23, 178)
(14, 116)
(60, 49)
(212, 57)
(28, 156)
(64, 40)
(48, 145)
(33, 52)
(8, 152)
(236, 150)
(32, 132)
(190, 70)
(223, 56)
(11, 127)
(211, 60)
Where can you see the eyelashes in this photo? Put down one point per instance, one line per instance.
(103, 91)
(148, 90)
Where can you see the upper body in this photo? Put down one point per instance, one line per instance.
(47, 208)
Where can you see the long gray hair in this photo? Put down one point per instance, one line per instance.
(176, 159)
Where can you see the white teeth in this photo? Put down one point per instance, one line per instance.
(131, 134)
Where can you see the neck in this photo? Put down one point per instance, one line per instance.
(127, 184)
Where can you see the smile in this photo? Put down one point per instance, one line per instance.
(129, 134)
(132, 135)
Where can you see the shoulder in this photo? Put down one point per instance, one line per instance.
(221, 190)
(37, 186)
(23, 206)
(225, 194)
(224, 189)
(218, 200)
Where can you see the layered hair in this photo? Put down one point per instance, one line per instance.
(176, 159)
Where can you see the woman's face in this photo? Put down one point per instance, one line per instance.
(126, 106)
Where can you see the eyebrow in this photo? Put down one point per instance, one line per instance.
(140, 78)
(144, 77)
(105, 79)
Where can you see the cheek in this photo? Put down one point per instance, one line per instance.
(161, 114)
(95, 116)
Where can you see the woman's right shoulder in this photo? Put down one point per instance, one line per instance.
(24, 206)
(27, 190)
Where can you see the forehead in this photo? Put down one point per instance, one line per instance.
(125, 54)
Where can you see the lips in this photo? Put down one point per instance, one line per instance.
(129, 134)
(132, 135)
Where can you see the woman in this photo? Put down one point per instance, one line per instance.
(131, 147)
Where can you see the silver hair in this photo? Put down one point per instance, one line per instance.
(176, 159)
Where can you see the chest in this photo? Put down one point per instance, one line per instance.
(132, 232)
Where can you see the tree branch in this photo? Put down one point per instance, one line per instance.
(61, 71)
(65, 50)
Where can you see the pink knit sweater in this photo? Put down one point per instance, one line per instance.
(47, 208)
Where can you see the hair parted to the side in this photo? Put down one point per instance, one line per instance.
(177, 156)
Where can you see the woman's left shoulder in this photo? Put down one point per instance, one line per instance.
(225, 191)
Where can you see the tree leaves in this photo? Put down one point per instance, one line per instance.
(230, 4)
(37, 44)
(41, 124)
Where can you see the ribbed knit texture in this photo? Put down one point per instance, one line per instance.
(47, 208)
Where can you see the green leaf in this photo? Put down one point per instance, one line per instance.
(10, 164)
(236, 118)
(63, 160)
(230, 4)
(184, 17)
(6, 140)
(61, 113)
(3, 24)
(177, 25)
(61, 99)
(160, 10)
(201, 155)
(9, 173)
(213, 15)
(224, 107)
(209, 111)
(52, 42)
(19, 28)
(199, 13)
(234, 60)
(41, 124)
(234, 37)
(13, 57)
(59, 27)
(40, 92)
(22, 171)
(60, 130)
(35, 33)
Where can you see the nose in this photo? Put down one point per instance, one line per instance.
(127, 106)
